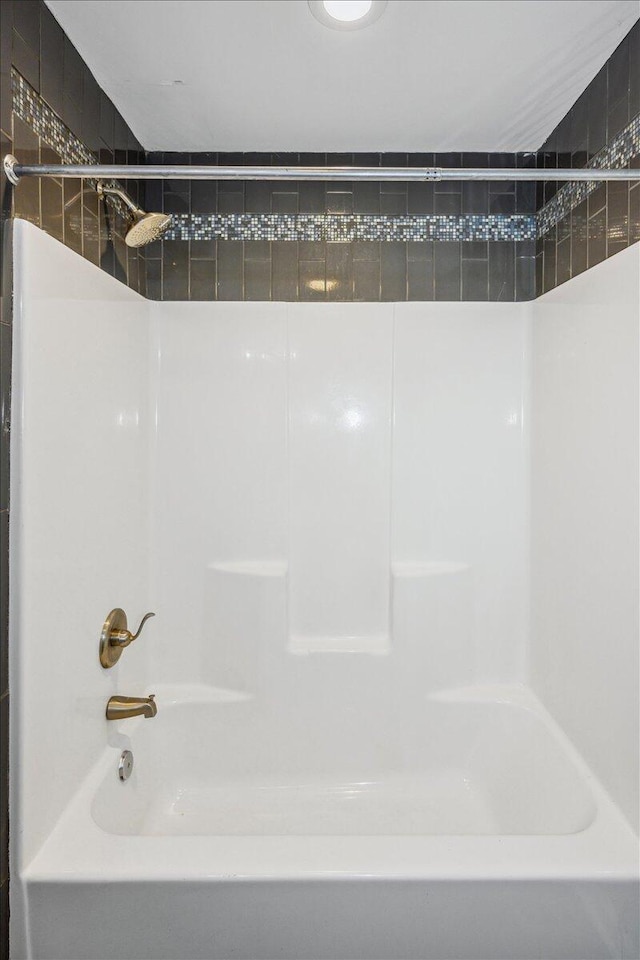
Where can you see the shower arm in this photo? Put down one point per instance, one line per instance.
(15, 171)
(117, 192)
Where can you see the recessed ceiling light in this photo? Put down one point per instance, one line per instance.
(347, 10)
(347, 14)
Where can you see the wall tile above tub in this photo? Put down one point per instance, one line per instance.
(345, 240)
(579, 225)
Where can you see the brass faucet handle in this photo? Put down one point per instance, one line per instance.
(122, 638)
(115, 636)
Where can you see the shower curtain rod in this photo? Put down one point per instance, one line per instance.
(15, 171)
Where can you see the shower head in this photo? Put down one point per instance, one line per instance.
(145, 227)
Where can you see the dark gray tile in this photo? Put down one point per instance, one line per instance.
(526, 196)
(339, 271)
(448, 204)
(6, 190)
(563, 227)
(420, 279)
(539, 284)
(579, 239)
(634, 214)
(5, 104)
(284, 259)
(549, 273)
(618, 73)
(418, 251)
(617, 213)
(339, 202)
(26, 20)
(420, 198)
(563, 261)
(27, 191)
(202, 280)
(51, 206)
(447, 270)
(72, 221)
(51, 60)
(617, 117)
(257, 250)
(153, 269)
(366, 250)
(475, 279)
(525, 278)
(284, 202)
(72, 73)
(175, 270)
(393, 159)
(230, 201)
(502, 271)
(597, 199)
(230, 276)
(366, 280)
(257, 279)
(120, 259)
(312, 280)
(107, 122)
(475, 250)
(203, 250)
(393, 204)
(91, 114)
(6, 35)
(312, 250)
(257, 196)
(502, 203)
(634, 69)
(475, 197)
(90, 237)
(597, 238)
(26, 61)
(175, 202)
(580, 121)
(72, 114)
(393, 271)
(311, 197)
(366, 197)
(597, 112)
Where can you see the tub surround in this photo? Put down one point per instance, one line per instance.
(398, 808)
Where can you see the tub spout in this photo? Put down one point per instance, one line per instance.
(118, 708)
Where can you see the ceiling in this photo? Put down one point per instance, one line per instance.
(264, 75)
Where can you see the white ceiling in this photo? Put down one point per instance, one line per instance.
(429, 75)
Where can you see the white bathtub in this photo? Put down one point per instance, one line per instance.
(476, 833)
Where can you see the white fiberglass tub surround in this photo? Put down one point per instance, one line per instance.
(327, 506)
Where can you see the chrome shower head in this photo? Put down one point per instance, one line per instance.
(145, 227)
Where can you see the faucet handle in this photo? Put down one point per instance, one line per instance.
(138, 631)
(115, 636)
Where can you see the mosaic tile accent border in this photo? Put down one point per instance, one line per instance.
(33, 110)
(345, 228)
(617, 153)
(46, 124)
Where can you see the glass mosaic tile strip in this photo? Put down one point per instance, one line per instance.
(32, 110)
(47, 125)
(345, 228)
(617, 153)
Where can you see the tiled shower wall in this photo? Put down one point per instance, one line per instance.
(608, 219)
(32, 42)
(381, 269)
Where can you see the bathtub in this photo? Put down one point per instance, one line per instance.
(477, 832)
